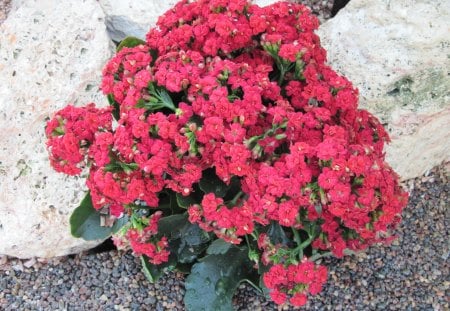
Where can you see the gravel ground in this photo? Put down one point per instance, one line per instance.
(411, 274)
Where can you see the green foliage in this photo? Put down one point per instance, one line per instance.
(215, 278)
(154, 272)
(85, 222)
(116, 107)
(211, 183)
(276, 234)
(187, 201)
(129, 42)
(118, 166)
(187, 242)
(218, 247)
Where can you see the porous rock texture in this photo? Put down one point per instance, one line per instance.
(51, 54)
(398, 54)
(134, 17)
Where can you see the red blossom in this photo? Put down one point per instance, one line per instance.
(244, 91)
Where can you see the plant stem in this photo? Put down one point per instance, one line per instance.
(296, 236)
(236, 197)
(318, 256)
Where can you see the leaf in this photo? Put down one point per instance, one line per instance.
(215, 278)
(168, 225)
(185, 202)
(129, 42)
(218, 247)
(118, 166)
(186, 240)
(154, 272)
(276, 234)
(85, 222)
(193, 242)
(116, 107)
(195, 197)
(211, 183)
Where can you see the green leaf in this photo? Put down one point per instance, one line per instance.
(154, 272)
(129, 42)
(187, 201)
(85, 222)
(193, 242)
(159, 98)
(215, 278)
(211, 183)
(168, 225)
(116, 107)
(186, 240)
(168, 203)
(118, 166)
(276, 234)
(218, 247)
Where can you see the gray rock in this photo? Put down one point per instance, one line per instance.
(133, 18)
(397, 54)
(51, 54)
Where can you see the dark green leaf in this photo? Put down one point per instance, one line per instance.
(215, 278)
(85, 222)
(186, 241)
(168, 203)
(129, 42)
(185, 202)
(116, 107)
(217, 247)
(211, 183)
(113, 167)
(153, 272)
(193, 235)
(118, 166)
(276, 234)
(170, 226)
(193, 242)
(262, 287)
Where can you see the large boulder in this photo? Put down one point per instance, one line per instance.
(398, 54)
(51, 54)
(133, 18)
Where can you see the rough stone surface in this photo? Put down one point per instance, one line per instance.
(398, 54)
(51, 54)
(132, 18)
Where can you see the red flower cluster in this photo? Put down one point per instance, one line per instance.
(143, 241)
(244, 90)
(295, 282)
(71, 132)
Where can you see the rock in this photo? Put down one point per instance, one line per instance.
(51, 54)
(133, 18)
(397, 54)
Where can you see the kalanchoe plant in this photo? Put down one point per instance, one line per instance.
(236, 154)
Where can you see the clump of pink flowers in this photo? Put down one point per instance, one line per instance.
(228, 88)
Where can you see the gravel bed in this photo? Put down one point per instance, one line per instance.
(411, 274)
